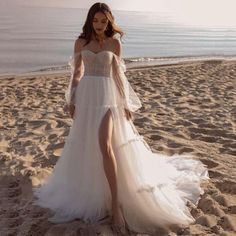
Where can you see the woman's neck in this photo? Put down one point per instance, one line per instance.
(101, 39)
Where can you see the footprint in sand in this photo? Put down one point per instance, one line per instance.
(56, 230)
(14, 192)
(227, 222)
(55, 146)
(222, 199)
(214, 174)
(232, 209)
(142, 120)
(185, 150)
(52, 137)
(210, 164)
(197, 121)
(227, 186)
(228, 151)
(210, 206)
(206, 220)
(12, 214)
(166, 150)
(209, 139)
(183, 123)
(37, 229)
(12, 223)
(37, 123)
(203, 135)
(155, 137)
(196, 212)
(13, 184)
(61, 124)
(207, 125)
(230, 144)
(3, 212)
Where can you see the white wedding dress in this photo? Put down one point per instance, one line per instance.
(153, 188)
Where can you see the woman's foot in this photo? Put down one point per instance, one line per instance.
(118, 221)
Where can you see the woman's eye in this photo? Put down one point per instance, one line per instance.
(103, 22)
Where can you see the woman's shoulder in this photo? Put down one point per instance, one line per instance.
(80, 42)
(116, 39)
(116, 45)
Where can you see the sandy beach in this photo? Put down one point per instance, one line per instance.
(187, 108)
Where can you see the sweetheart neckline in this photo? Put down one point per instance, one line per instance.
(98, 52)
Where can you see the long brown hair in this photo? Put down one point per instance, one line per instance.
(112, 27)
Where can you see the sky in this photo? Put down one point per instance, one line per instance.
(194, 12)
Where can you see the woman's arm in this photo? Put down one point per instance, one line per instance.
(130, 99)
(78, 67)
(119, 77)
(76, 75)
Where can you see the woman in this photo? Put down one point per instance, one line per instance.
(106, 167)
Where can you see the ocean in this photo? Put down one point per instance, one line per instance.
(38, 39)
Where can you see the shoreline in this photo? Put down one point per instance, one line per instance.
(131, 63)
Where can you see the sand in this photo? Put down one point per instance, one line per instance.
(187, 108)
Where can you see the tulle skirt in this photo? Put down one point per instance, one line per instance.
(153, 188)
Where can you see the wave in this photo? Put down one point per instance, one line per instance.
(134, 62)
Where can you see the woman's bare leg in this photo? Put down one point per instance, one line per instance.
(110, 166)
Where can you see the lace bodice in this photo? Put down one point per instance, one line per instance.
(104, 63)
(97, 64)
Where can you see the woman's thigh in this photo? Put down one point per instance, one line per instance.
(105, 132)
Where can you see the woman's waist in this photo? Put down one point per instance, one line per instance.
(97, 76)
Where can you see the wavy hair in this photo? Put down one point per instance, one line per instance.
(112, 27)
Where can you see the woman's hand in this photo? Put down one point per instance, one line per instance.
(128, 114)
(71, 108)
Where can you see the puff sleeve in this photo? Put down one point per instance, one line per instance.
(129, 98)
(76, 71)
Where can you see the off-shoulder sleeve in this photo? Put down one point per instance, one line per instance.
(130, 99)
(76, 70)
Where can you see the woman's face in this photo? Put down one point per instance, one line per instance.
(100, 23)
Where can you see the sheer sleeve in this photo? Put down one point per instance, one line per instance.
(130, 99)
(76, 71)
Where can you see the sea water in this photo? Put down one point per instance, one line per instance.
(34, 39)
